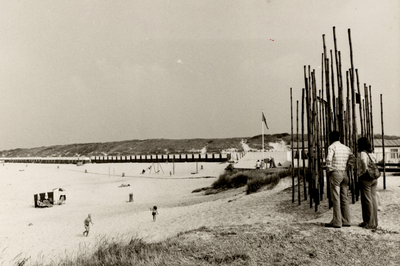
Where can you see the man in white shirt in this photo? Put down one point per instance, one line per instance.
(336, 163)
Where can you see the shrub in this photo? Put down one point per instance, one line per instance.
(257, 182)
(254, 179)
(231, 179)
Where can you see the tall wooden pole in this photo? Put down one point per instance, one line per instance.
(320, 142)
(351, 58)
(298, 151)
(383, 146)
(367, 115)
(337, 60)
(339, 83)
(354, 147)
(302, 144)
(372, 120)
(315, 141)
(360, 107)
(341, 109)
(328, 97)
(348, 109)
(363, 114)
(291, 119)
(333, 96)
(310, 131)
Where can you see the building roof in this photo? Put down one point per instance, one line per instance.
(377, 143)
(388, 142)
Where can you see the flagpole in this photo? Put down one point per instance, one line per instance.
(262, 137)
(262, 130)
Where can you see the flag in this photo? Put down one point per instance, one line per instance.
(264, 120)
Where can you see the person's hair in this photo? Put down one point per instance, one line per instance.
(155, 207)
(334, 136)
(364, 145)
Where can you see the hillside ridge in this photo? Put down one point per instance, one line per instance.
(152, 146)
(161, 146)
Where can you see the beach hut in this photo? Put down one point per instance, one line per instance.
(47, 199)
(42, 200)
(59, 196)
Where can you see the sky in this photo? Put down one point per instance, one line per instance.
(100, 71)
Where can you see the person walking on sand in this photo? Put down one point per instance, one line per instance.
(336, 164)
(86, 223)
(369, 203)
(154, 212)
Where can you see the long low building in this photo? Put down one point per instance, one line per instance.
(207, 157)
(149, 158)
(56, 160)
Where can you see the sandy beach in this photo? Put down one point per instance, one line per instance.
(46, 234)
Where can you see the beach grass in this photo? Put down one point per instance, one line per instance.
(254, 179)
(260, 180)
(255, 244)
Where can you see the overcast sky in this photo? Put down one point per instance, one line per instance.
(98, 71)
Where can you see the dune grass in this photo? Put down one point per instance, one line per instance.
(255, 244)
(254, 179)
(184, 249)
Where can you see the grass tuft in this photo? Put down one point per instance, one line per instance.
(254, 179)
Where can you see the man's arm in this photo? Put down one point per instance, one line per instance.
(351, 162)
(329, 158)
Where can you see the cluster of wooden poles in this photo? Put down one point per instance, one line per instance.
(329, 109)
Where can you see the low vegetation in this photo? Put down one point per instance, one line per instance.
(253, 179)
(253, 244)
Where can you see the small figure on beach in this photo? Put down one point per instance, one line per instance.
(258, 164)
(272, 162)
(143, 171)
(263, 165)
(86, 223)
(154, 212)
